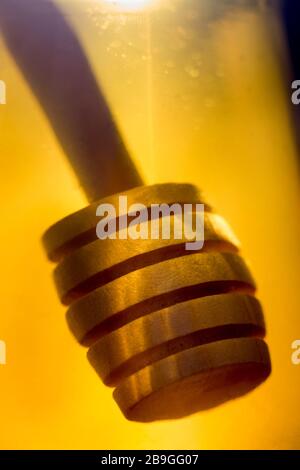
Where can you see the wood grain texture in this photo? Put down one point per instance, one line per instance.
(193, 380)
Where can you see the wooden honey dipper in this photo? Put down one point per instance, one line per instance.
(174, 334)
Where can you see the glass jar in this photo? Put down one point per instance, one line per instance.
(200, 93)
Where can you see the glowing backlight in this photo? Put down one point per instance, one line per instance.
(129, 4)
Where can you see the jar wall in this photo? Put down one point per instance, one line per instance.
(199, 91)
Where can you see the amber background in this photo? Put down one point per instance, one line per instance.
(201, 99)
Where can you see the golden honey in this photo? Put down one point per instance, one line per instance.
(201, 97)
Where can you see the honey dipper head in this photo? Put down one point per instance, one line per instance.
(174, 331)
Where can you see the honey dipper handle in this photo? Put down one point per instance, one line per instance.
(54, 64)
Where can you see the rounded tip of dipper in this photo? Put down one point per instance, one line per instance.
(194, 380)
